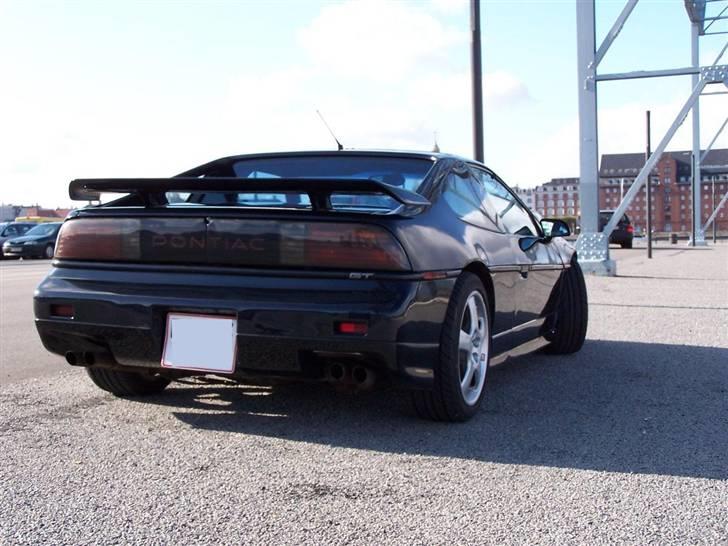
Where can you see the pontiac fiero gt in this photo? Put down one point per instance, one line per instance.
(355, 267)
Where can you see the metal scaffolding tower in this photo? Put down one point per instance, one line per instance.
(593, 246)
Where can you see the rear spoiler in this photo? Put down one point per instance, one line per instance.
(319, 190)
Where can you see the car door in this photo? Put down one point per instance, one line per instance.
(465, 196)
(540, 266)
(9, 232)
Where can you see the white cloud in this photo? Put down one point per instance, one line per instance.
(370, 96)
(385, 41)
(449, 6)
(504, 89)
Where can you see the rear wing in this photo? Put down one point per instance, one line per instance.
(319, 190)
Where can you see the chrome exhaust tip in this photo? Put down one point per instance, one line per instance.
(363, 377)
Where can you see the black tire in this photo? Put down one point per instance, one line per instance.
(627, 244)
(572, 315)
(446, 402)
(48, 252)
(126, 384)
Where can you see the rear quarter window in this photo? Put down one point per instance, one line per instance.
(463, 197)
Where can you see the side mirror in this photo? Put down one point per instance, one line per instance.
(553, 227)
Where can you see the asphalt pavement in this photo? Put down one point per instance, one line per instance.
(21, 354)
(624, 442)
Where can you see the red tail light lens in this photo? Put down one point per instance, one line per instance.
(62, 310)
(103, 239)
(630, 228)
(351, 246)
(352, 328)
(242, 242)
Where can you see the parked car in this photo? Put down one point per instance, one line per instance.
(37, 242)
(417, 268)
(623, 233)
(8, 230)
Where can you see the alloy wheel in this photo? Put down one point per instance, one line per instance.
(473, 348)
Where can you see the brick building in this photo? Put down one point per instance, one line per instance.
(9, 212)
(44, 213)
(558, 197)
(671, 190)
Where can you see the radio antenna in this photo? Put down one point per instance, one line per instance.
(339, 147)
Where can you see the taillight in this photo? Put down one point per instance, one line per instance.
(105, 239)
(355, 328)
(243, 242)
(61, 310)
(352, 246)
(630, 228)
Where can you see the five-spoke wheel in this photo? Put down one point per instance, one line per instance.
(473, 347)
(460, 374)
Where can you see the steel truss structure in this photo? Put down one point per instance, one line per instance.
(593, 246)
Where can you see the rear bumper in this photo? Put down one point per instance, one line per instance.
(24, 251)
(286, 325)
(620, 236)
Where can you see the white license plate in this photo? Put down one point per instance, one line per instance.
(205, 343)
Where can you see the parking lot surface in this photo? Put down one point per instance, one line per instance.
(624, 442)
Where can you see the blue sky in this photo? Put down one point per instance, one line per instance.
(153, 88)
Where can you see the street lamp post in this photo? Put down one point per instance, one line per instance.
(477, 79)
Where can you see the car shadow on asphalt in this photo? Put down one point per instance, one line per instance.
(615, 406)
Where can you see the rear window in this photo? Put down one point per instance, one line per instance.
(43, 229)
(605, 216)
(403, 172)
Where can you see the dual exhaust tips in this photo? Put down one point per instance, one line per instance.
(360, 377)
(80, 359)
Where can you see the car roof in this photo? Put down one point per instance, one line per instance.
(411, 154)
(351, 152)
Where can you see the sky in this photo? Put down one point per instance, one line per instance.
(152, 88)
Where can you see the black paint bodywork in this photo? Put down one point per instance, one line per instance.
(286, 318)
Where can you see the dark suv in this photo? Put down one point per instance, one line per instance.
(623, 233)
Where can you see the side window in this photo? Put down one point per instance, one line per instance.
(510, 214)
(11, 231)
(464, 195)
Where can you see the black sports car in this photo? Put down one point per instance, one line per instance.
(350, 267)
(38, 242)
